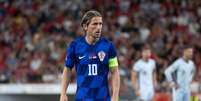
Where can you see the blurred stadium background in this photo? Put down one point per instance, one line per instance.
(34, 35)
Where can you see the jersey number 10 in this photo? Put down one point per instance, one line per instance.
(92, 69)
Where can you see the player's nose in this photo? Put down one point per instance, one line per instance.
(99, 26)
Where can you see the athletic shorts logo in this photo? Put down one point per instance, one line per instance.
(101, 55)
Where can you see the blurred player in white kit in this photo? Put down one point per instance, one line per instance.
(144, 76)
(184, 69)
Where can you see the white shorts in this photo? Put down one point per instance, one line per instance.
(181, 95)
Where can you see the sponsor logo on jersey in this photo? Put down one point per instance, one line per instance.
(81, 57)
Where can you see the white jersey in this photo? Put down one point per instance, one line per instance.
(145, 74)
(184, 73)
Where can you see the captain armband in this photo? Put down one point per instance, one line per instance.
(113, 63)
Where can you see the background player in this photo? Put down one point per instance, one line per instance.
(94, 57)
(184, 69)
(143, 76)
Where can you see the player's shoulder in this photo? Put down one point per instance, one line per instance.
(191, 62)
(77, 40)
(152, 60)
(179, 60)
(104, 40)
(137, 65)
(105, 43)
(138, 62)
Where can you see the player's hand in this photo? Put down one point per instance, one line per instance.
(137, 92)
(115, 99)
(63, 97)
(176, 86)
(173, 85)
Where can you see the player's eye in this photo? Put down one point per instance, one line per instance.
(97, 23)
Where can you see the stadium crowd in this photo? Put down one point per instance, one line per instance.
(34, 35)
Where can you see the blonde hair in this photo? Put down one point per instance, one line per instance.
(86, 19)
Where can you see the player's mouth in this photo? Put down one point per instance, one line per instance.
(98, 34)
(98, 31)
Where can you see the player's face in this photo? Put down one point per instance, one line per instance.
(188, 53)
(94, 27)
(146, 53)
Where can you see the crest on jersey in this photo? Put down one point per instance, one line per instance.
(101, 55)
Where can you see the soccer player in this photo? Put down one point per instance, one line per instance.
(144, 76)
(93, 57)
(184, 69)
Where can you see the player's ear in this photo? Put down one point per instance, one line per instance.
(85, 27)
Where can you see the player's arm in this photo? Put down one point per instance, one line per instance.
(192, 73)
(155, 78)
(134, 82)
(113, 65)
(64, 83)
(69, 63)
(134, 79)
(168, 73)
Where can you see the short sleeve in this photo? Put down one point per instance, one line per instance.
(113, 61)
(112, 51)
(136, 67)
(70, 56)
(154, 64)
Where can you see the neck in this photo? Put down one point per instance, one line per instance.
(185, 58)
(145, 59)
(90, 40)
